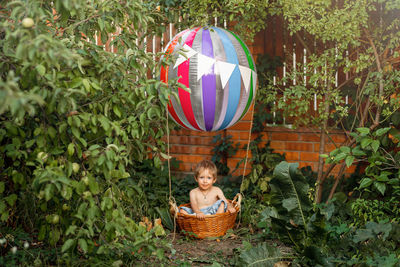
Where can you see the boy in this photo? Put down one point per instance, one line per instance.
(207, 199)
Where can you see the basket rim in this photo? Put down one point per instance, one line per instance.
(237, 208)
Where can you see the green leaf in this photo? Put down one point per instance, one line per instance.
(340, 156)
(29, 143)
(4, 216)
(287, 184)
(365, 182)
(117, 111)
(101, 250)
(40, 69)
(86, 84)
(142, 119)
(382, 229)
(75, 132)
(71, 229)
(71, 149)
(289, 203)
(165, 217)
(93, 147)
(48, 192)
(364, 131)
(382, 131)
(52, 132)
(42, 232)
(93, 186)
(159, 230)
(76, 82)
(345, 149)
(66, 192)
(165, 156)
(366, 141)
(383, 178)
(263, 255)
(363, 235)
(157, 162)
(375, 145)
(104, 123)
(264, 185)
(381, 187)
(11, 199)
(358, 152)
(100, 22)
(67, 245)
(54, 236)
(92, 212)
(349, 160)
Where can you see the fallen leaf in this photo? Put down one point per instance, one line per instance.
(292, 223)
(281, 264)
(157, 222)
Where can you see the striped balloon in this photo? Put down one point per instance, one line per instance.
(219, 70)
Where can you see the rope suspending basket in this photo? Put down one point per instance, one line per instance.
(212, 226)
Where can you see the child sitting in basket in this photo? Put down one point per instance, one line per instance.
(207, 199)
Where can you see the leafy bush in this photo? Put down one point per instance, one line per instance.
(375, 210)
(222, 150)
(323, 234)
(378, 189)
(263, 162)
(77, 120)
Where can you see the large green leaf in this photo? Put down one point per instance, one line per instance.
(373, 230)
(289, 189)
(263, 255)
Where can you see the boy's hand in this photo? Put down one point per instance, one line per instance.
(231, 209)
(200, 216)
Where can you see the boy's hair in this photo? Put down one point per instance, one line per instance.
(206, 165)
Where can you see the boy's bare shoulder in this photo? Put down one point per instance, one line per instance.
(216, 188)
(194, 191)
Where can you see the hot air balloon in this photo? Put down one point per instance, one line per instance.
(219, 70)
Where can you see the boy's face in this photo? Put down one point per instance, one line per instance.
(205, 179)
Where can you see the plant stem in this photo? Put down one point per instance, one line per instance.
(337, 180)
(379, 67)
(320, 181)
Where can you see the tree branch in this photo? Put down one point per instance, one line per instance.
(379, 67)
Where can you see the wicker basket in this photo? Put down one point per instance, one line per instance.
(212, 226)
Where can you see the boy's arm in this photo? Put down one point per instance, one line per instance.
(221, 195)
(194, 205)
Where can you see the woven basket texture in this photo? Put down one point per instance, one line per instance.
(212, 226)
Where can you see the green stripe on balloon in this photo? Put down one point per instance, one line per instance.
(250, 60)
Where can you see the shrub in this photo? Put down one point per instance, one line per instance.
(76, 120)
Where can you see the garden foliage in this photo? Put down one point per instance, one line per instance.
(76, 121)
(323, 234)
(358, 40)
(81, 133)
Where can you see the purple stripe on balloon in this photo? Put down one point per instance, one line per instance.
(208, 82)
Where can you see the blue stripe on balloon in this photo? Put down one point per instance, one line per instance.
(234, 81)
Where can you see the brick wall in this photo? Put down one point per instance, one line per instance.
(300, 145)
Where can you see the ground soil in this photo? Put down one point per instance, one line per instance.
(205, 252)
(200, 252)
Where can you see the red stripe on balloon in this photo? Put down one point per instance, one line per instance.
(164, 78)
(184, 96)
